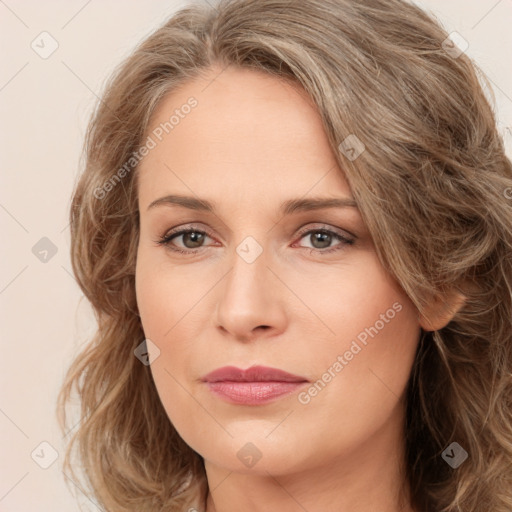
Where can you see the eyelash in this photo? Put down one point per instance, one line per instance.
(166, 240)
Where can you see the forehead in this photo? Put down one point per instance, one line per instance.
(247, 131)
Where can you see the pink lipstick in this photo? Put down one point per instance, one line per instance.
(254, 386)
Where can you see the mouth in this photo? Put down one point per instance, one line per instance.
(253, 386)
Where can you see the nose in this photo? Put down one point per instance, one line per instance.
(250, 303)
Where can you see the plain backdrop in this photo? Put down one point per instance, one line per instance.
(45, 103)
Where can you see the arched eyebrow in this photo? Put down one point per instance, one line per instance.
(287, 207)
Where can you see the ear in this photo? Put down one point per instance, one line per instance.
(441, 311)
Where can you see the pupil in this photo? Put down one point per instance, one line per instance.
(194, 237)
(323, 238)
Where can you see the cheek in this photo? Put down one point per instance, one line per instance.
(167, 296)
(364, 359)
(356, 299)
(163, 303)
(360, 384)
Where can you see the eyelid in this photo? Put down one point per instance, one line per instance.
(318, 226)
(187, 227)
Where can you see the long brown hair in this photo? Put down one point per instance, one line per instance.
(433, 186)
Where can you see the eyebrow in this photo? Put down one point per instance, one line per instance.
(287, 207)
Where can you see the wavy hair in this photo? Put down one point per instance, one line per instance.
(433, 186)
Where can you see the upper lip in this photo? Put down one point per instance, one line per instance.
(253, 374)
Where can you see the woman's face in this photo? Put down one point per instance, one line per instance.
(267, 277)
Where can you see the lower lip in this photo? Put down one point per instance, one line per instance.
(253, 393)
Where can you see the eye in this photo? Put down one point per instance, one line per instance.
(322, 238)
(191, 240)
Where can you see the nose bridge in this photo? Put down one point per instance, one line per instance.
(247, 281)
(248, 298)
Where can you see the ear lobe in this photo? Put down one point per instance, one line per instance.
(441, 311)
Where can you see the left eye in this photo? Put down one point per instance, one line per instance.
(321, 239)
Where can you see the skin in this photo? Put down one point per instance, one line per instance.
(251, 143)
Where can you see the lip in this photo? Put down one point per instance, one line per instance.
(252, 374)
(253, 386)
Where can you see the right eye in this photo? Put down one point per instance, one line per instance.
(192, 240)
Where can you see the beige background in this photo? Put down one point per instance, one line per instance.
(44, 107)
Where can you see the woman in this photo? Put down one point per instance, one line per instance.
(294, 228)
